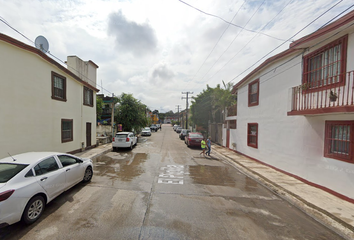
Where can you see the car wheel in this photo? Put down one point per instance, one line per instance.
(131, 146)
(33, 210)
(88, 175)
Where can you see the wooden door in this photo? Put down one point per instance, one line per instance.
(88, 134)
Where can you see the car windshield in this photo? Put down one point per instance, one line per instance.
(195, 136)
(121, 135)
(9, 170)
(147, 129)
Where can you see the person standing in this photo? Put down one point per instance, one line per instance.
(203, 146)
(209, 146)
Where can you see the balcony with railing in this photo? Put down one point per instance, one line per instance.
(331, 95)
(232, 110)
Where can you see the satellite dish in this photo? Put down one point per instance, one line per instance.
(42, 44)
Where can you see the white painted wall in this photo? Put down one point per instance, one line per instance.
(294, 144)
(30, 120)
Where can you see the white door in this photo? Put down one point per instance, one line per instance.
(73, 169)
(50, 177)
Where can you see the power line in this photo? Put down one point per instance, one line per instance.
(48, 53)
(186, 106)
(212, 15)
(235, 38)
(286, 41)
(219, 39)
(320, 42)
(246, 43)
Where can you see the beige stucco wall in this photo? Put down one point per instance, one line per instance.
(30, 120)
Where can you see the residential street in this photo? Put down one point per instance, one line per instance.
(164, 190)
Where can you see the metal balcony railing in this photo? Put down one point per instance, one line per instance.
(324, 98)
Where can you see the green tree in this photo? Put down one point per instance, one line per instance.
(131, 113)
(201, 107)
(99, 108)
(210, 103)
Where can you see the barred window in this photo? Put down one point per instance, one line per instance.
(327, 65)
(252, 135)
(253, 93)
(66, 130)
(58, 87)
(338, 140)
(88, 97)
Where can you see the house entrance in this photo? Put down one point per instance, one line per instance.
(88, 134)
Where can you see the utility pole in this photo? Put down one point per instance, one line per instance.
(178, 111)
(186, 106)
(112, 116)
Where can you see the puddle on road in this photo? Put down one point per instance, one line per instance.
(211, 175)
(122, 166)
(221, 176)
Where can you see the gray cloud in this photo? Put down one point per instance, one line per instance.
(162, 72)
(139, 39)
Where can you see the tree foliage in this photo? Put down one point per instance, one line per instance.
(99, 108)
(210, 103)
(131, 113)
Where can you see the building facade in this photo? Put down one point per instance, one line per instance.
(44, 105)
(295, 112)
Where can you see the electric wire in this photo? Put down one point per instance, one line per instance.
(235, 39)
(297, 55)
(212, 15)
(218, 40)
(48, 53)
(286, 41)
(246, 43)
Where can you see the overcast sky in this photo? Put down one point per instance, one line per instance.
(157, 49)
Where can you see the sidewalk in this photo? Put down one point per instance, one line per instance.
(331, 211)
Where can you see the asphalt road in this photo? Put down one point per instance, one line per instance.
(164, 190)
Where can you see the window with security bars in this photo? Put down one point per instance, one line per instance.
(88, 97)
(232, 124)
(338, 140)
(58, 87)
(252, 135)
(253, 93)
(66, 130)
(327, 65)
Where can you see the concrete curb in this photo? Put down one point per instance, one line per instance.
(319, 214)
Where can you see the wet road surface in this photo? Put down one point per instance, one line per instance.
(164, 190)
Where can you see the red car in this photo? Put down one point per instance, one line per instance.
(193, 139)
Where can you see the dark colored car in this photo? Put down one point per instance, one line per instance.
(184, 133)
(153, 128)
(193, 139)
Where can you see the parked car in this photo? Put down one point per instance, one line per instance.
(193, 139)
(153, 127)
(184, 133)
(29, 181)
(175, 127)
(146, 132)
(124, 140)
(179, 129)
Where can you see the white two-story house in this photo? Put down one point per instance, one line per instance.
(295, 111)
(45, 106)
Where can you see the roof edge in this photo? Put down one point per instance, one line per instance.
(38, 52)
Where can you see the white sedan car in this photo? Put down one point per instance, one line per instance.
(29, 181)
(124, 140)
(146, 132)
